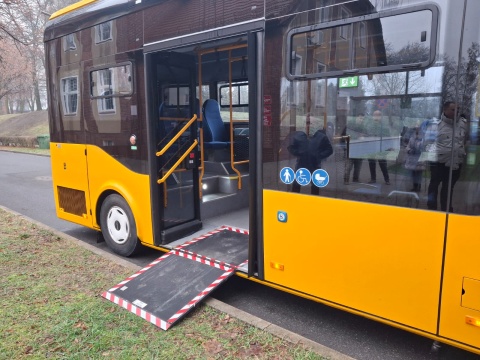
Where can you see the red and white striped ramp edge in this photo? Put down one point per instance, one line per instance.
(162, 324)
(197, 239)
(178, 251)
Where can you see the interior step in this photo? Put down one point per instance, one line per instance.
(220, 195)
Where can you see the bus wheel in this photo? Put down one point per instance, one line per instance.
(118, 226)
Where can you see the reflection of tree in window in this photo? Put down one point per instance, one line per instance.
(409, 54)
(70, 95)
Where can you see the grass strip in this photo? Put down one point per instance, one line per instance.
(51, 308)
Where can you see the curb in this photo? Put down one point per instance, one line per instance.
(261, 324)
(21, 152)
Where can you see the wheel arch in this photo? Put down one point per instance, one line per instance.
(142, 217)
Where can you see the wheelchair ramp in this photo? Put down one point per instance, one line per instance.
(169, 287)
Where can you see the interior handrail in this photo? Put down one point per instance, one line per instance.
(179, 161)
(175, 138)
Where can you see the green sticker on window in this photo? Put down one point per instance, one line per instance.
(347, 82)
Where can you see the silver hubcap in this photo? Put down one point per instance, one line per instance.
(118, 225)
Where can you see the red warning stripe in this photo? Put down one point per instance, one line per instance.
(200, 296)
(141, 271)
(238, 230)
(193, 241)
(203, 259)
(242, 264)
(162, 324)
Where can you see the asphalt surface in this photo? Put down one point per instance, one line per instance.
(25, 187)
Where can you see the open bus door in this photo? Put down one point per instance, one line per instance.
(193, 267)
(174, 170)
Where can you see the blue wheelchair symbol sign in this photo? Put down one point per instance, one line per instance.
(303, 176)
(287, 175)
(320, 178)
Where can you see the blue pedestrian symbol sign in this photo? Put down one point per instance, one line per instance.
(303, 176)
(287, 175)
(320, 178)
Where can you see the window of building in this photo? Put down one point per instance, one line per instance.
(69, 93)
(105, 86)
(362, 34)
(103, 32)
(69, 42)
(108, 83)
(345, 30)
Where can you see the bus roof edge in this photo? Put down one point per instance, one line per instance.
(70, 8)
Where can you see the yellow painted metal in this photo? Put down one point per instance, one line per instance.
(356, 312)
(380, 260)
(202, 155)
(471, 294)
(179, 161)
(107, 174)
(71, 8)
(175, 138)
(69, 170)
(461, 280)
(232, 151)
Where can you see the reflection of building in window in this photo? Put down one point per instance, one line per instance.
(321, 67)
(104, 88)
(108, 143)
(344, 30)
(69, 42)
(296, 64)
(320, 92)
(362, 34)
(315, 38)
(363, 44)
(69, 91)
(294, 87)
(325, 13)
(106, 84)
(387, 4)
(103, 32)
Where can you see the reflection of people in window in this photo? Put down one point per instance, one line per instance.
(449, 150)
(356, 131)
(412, 160)
(378, 128)
(310, 153)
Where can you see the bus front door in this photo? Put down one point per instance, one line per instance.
(175, 111)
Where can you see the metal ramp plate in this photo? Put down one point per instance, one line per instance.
(166, 289)
(227, 244)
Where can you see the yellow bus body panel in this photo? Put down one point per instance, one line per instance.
(132, 186)
(460, 312)
(384, 261)
(69, 171)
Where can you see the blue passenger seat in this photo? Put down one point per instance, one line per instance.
(214, 131)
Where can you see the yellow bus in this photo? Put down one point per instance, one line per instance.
(170, 118)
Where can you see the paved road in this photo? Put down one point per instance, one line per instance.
(25, 187)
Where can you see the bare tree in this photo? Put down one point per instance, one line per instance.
(14, 71)
(24, 22)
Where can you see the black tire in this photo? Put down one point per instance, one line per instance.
(118, 226)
